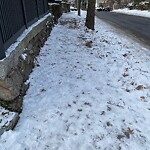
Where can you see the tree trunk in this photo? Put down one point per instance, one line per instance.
(90, 17)
(79, 7)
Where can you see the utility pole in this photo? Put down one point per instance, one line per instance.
(79, 7)
(90, 17)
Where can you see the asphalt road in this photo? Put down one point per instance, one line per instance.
(136, 25)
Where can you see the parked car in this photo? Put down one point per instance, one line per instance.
(73, 8)
(104, 8)
(107, 8)
(100, 9)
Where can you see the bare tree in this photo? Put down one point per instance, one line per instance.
(90, 17)
(79, 7)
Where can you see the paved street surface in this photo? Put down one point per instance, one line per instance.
(139, 26)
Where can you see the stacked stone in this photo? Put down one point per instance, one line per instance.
(15, 69)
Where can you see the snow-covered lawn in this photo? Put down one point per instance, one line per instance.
(143, 13)
(90, 90)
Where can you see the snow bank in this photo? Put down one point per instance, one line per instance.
(143, 13)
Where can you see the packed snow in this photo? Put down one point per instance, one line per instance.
(89, 90)
(143, 13)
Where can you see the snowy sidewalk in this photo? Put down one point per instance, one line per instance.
(90, 90)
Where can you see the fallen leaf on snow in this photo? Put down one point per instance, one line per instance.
(139, 87)
(142, 97)
(128, 133)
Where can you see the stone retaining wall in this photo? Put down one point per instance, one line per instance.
(15, 69)
(58, 8)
